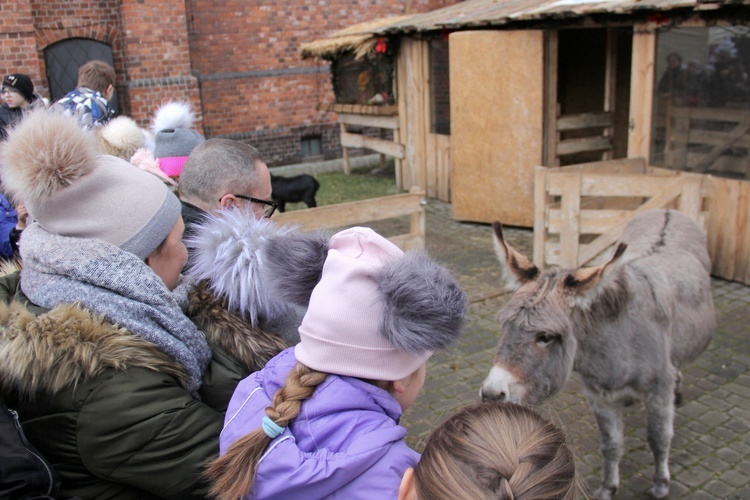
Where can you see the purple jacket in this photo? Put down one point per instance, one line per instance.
(345, 442)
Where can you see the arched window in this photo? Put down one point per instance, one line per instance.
(65, 57)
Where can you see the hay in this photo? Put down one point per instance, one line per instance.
(358, 38)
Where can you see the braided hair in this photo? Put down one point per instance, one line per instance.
(496, 450)
(233, 474)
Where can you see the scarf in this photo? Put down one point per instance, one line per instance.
(116, 284)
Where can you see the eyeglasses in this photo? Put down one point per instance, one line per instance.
(269, 207)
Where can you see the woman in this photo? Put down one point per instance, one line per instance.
(112, 381)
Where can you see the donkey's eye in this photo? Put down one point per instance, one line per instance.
(546, 338)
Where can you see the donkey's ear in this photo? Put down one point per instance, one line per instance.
(587, 278)
(517, 268)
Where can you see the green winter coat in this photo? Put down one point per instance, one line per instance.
(109, 409)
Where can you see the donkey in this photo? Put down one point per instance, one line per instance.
(626, 327)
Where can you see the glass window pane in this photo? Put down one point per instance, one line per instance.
(701, 116)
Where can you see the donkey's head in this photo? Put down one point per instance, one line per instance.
(537, 350)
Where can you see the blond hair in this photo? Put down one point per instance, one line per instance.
(496, 450)
(233, 474)
(96, 75)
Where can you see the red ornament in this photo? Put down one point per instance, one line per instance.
(658, 19)
(382, 46)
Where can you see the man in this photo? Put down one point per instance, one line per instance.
(89, 103)
(222, 173)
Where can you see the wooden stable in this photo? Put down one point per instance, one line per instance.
(581, 210)
(355, 213)
(568, 83)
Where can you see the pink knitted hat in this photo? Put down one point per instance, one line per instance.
(341, 331)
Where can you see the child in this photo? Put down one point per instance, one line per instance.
(321, 419)
(18, 94)
(89, 103)
(493, 450)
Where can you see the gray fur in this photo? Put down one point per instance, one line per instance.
(425, 307)
(627, 334)
(294, 265)
(227, 250)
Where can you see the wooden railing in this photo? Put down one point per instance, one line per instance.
(355, 213)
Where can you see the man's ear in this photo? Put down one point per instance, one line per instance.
(406, 491)
(228, 201)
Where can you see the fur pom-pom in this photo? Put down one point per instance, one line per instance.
(45, 153)
(144, 159)
(173, 115)
(227, 250)
(121, 137)
(294, 265)
(425, 308)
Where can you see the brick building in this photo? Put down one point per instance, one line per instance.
(236, 61)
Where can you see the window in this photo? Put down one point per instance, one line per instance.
(701, 117)
(440, 95)
(363, 81)
(311, 146)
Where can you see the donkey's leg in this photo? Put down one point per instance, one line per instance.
(660, 409)
(611, 444)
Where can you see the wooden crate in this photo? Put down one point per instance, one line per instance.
(355, 213)
(581, 210)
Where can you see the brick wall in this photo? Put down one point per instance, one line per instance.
(236, 61)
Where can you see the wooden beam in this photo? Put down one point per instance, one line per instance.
(347, 164)
(349, 140)
(584, 120)
(389, 122)
(551, 136)
(641, 90)
(571, 146)
(359, 109)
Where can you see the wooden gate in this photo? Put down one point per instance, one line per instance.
(581, 210)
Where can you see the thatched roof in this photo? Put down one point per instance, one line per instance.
(359, 38)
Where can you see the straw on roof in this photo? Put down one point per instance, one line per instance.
(359, 38)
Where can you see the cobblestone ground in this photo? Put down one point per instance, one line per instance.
(711, 449)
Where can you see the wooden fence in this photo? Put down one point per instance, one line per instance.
(581, 210)
(354, 213)
(708, 140)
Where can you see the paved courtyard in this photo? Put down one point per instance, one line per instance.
(711, 449)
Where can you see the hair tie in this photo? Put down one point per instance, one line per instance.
(271, 428)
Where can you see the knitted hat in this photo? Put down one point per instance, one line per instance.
(52, 165)
(22, 84)
(372, 311)
(174, 137)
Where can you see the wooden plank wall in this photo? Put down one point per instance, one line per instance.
(497, 126)
(426, 160)
(729, 228)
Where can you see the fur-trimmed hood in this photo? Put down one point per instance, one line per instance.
(48, 352)
(45, 353)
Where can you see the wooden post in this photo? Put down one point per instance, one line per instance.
(347, 165)
(550, 104)
(610, 85)
(570, 211)
(641, 90)
(541, 201)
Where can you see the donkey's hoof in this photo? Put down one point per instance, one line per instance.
(660, 490)
(604, 493)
